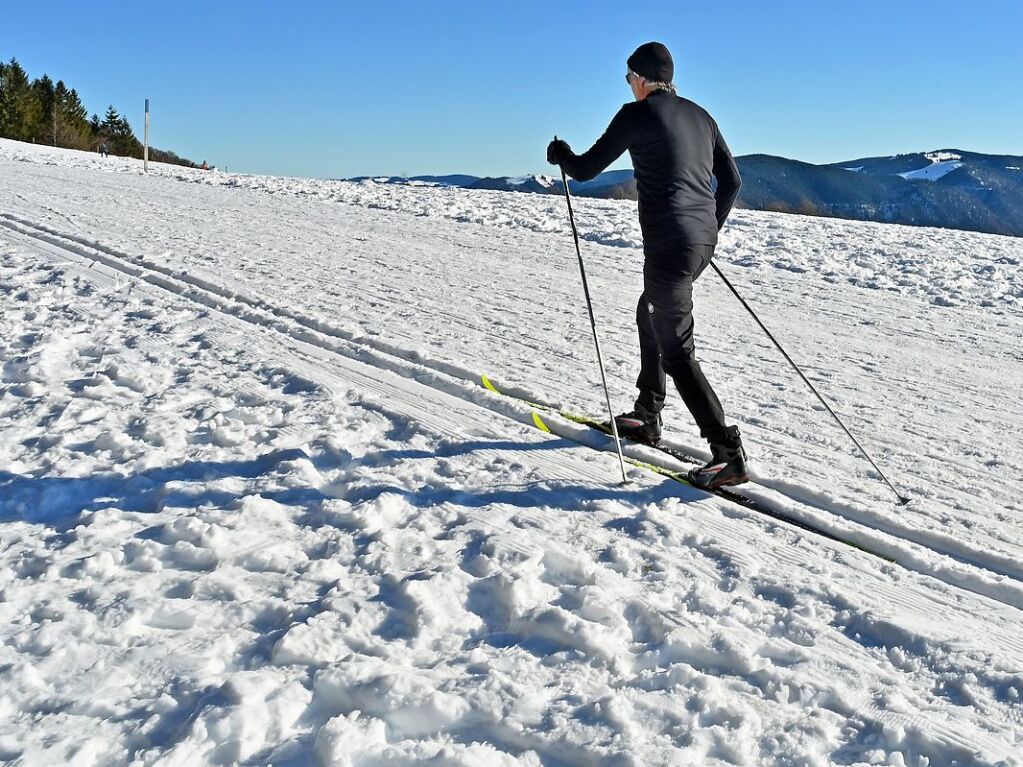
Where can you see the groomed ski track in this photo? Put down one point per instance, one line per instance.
(992, 576)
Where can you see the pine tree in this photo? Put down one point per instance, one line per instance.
(4, 105)
(110, 122)
(44, 129)
(71, 128)
(20, 110)
(118, 134)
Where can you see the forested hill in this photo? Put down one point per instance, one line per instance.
(44, 112)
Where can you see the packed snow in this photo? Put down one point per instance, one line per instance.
(255, 507)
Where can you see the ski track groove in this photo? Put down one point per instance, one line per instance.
(437, 375)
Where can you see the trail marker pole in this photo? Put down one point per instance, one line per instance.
(145, 151)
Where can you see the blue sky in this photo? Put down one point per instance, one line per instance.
(332, 89)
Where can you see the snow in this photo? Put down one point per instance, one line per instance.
(255, 507)
(942, 163)
(934, 171)
(942, 156)
(542, 180)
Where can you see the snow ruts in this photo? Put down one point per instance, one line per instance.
(988, 574)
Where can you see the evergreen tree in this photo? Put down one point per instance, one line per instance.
(118, 134)
(4, 107)
(71, 128)
(44, 130)
(110, 121)
(19, 106)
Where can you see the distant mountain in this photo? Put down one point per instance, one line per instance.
(535, 184)
(615, 184)
(455, 179)
(946, 188)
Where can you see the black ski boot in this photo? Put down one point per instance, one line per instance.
(640, 425)
(728, 464)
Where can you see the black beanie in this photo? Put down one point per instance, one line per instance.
(652, 61)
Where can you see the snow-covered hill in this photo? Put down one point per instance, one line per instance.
(255, 507)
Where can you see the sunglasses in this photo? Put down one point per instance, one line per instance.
(630, 74)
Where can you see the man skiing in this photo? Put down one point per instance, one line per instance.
(675, 148)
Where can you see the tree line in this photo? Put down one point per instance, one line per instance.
(44, 112)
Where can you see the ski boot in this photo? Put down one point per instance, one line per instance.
(728, 464)
(640, 425)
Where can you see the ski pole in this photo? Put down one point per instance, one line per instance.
(903, 500)
(593, 324)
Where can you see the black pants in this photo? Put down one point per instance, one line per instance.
(664, 317)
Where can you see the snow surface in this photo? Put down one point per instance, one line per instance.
(546, 181)
(937, 169)
(943, 156)
(256, 509)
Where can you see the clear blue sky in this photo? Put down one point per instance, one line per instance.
(331, 89)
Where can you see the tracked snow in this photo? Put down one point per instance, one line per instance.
(256, 509)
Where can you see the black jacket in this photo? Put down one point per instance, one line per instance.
(675, 148)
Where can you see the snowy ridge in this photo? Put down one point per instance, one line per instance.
(256, 508)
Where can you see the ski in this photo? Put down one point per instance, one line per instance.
(727, 494)
(668, 450)
(603, 426)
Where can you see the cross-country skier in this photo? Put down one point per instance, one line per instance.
(675, 147)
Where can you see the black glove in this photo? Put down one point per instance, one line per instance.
(557, 151)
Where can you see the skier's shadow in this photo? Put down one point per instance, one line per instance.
(534, 493)
(58, 501)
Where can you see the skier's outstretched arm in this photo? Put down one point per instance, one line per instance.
(607, 149)
(727, 174)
